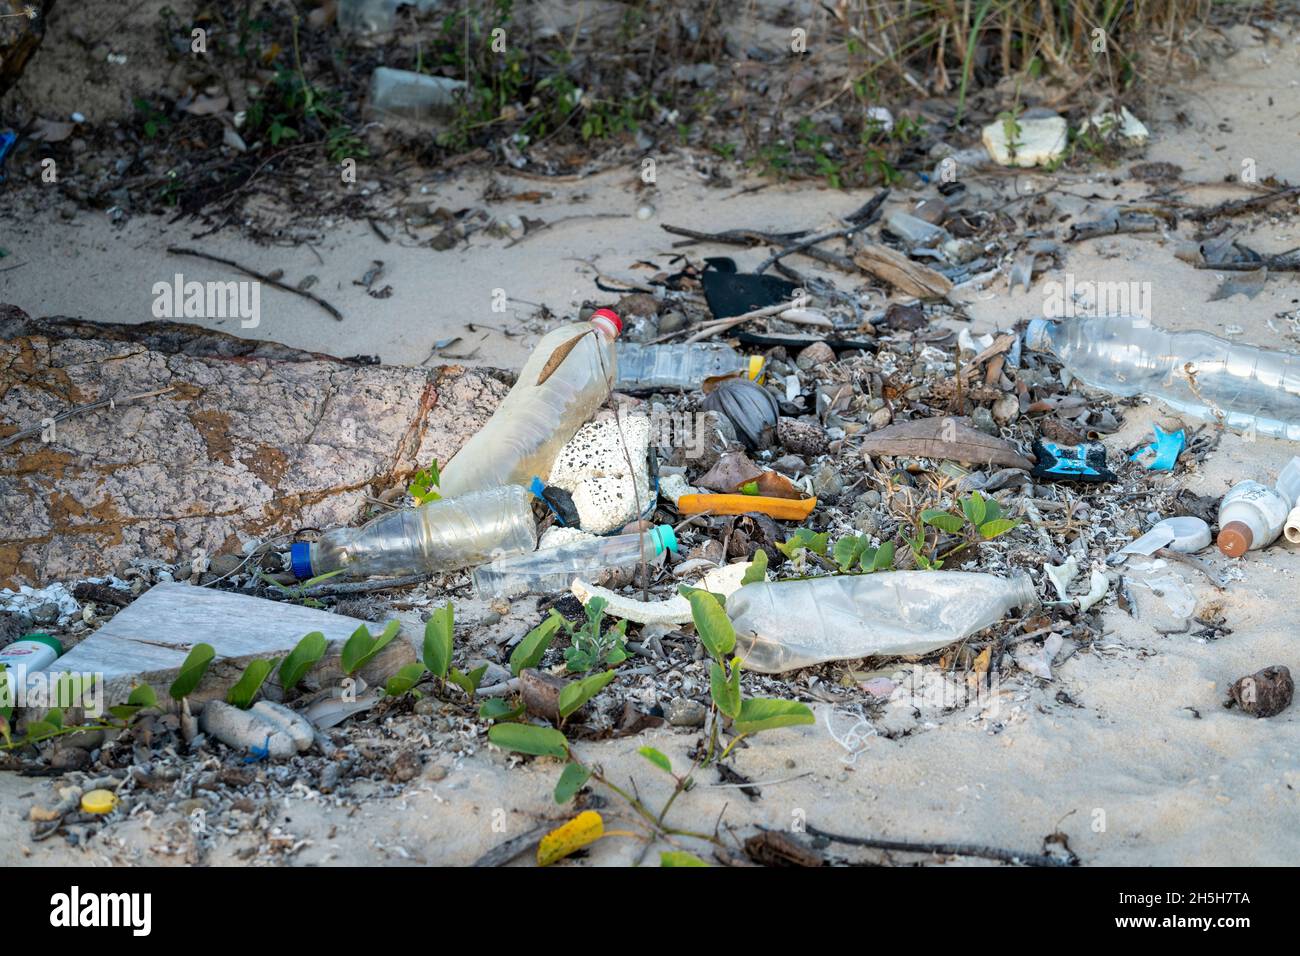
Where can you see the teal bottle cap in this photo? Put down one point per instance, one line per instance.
(665, 538)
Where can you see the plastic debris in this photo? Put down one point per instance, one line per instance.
(725, 580)
(1162, 454)
(1251, 516)
(1185, 534)
(1085, 462)
(1028, 140)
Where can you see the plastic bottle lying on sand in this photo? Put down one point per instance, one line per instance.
(533, 422)
(1251, 516)
(784, 625)
(440, 535)
(1288, 485)
(674, 366)
(1201, 375)
(552, 570)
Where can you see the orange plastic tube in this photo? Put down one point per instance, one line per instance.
(787, 509)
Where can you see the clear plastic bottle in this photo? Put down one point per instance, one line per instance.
(441, 535)
(785, 625)
(674, 366)
(1201, 375)
(552, 570)
(533, 422)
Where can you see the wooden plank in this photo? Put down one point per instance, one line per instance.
(148, 641)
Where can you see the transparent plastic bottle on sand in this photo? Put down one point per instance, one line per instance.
(784, 625)
(674, 366)
(1245, 387)
(552, 570)
(533, 422)
(441, 535)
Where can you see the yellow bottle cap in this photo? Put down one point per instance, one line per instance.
(98, 801)
(756, 364)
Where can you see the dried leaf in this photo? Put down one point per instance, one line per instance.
(559, 355)
(948, 437)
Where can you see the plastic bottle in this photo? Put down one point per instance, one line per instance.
(552, 570)
(1251, 516)
(440, 535)
(532, 423)
(1288, 485)
(31, 652)
(674, 366)
(784, 625)
(1244, 387)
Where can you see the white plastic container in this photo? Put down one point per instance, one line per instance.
(1200, 375)
(443, 535)
(552, 570)
(532, 423)
(1251, 516)
(784, 625)
(31, 653)
(1288, 485)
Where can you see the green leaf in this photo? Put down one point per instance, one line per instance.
(765, 713)
(749, 488)
(973, 508)
(679, 858)
(657, 758)
(572, 779)
(498, 708)
(992, 511)
(712, 624)
(38, 729)
(54, 717)
(685, 590)
(249, 683)
(404, 680)
(529, 739)
(725, 690)
(884, 557)
(192, 671)
(757, 570)
(941, 519)
(301, 659)
(361, 648)
(468, 682)
(579, 692)
(529, 651)
(849, 550)
(991, 529)
(804, 538)
(438, 636)
(142, 696)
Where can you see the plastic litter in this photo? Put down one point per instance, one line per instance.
(440, 535)
(1243, 387)
(1288, 485)
(786, 625)
(786, 509)
(1162, 454)
(1028, 140)
(413, 95)
(563, 383)
(1185, 534)
(665, 367)
(725, 580)
(1251, 516)
(31, 652)
(1085, 462)
(554, 569)
(98, 801)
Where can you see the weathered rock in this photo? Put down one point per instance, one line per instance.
(291, 722)
(1265, 693)
(817, 354)
(802, 438)
(684, 712)
(253, 439)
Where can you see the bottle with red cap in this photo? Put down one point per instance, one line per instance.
(563, 383)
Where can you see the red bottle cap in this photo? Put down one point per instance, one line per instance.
(610, 316)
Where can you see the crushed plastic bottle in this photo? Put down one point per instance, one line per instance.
(785, 625)
(675, 366)
(1244, 387)
(552, 570)
(1251, 517)
(440, 535)
(533, 422)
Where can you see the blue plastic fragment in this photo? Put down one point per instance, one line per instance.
(259, 753)
(1164, 451)
(7, 139)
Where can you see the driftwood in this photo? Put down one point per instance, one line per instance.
(946, 849)
(908, 277)
(1236, 207)
(948, 437)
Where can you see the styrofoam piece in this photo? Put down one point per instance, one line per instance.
(593, 468)
(1038, 141)
(1131, 129)
(1184, 533)
(676, 610)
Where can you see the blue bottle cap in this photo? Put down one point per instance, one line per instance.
(300, 560)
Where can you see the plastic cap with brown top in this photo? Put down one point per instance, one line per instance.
(1235, 538)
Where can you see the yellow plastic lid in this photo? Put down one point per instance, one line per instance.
(98, 801)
